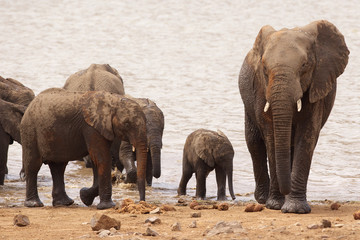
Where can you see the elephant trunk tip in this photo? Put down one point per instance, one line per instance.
(157, 174)
(285, 190)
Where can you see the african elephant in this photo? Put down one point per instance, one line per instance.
(97, 77)
(205, 151)
(288, 83)
(60, 126)
(14, 98)
(102, 77)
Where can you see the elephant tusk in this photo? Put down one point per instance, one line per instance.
(133, 148)
(266, 108)
(299, 105)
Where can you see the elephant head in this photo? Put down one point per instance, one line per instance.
(295, 68)
(119, 118)
(15, 92)
(155, 127)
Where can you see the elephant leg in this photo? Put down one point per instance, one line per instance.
(258, 154)
(149, 170)
(187, 173)
(60, 198)
(32, 168)
(87, 195)
(4, 146)
(296, 202)
(127, 159)
(201, 175)
(221, 183)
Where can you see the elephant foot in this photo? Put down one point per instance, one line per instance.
(105, 205)
(63, 201)
(33, 203)
(221, 198)
(261, 193)
(2, 179)
(131, 177)
(87, 195)
(275, 202)
(295, 205)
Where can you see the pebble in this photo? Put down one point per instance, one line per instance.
(153, 220)
(326, 223)
(193, 225)
(150, 232)
(21, 220)
(102, 221)
(195, 215)
(155, 211)
(357, 215)
(223, 207)
(176, 227)
(335, 206)
(338, 225)
(297, 224)
(313, 226)
(104, 233)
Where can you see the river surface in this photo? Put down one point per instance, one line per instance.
(185, 56)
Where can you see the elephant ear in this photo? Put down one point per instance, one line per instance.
(11, 115)
(332, 57)
(98, 112)
(223, 146)
(203, 144)
(258, 48)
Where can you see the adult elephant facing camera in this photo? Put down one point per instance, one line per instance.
(288, 84)
(60, 126)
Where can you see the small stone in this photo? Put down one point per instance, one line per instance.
(104, 222)
(250, 207)
(258, 208)
(113, 231)
(335, 206)
(155, 211)
(195, 215)
(176, 227)
(223, 207)
(104, 233)
(357, 215)
(168, 208)
(224, 228)
(21, 220)
(313, 226)
(153, 220)
(181, 200)
(326, 223)
(193, 225)
(150, 232)
(193, 204)
(338, 225)
(297, 224)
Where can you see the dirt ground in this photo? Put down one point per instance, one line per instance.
(74, 223)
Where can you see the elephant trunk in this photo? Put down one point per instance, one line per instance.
(155, 152)
(283, 106)
(141, 157)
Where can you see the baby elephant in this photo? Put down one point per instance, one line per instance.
(205, 151)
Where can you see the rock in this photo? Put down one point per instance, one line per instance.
(104, 233)
(181, 200)
(167, 208)
(176, 227)
(155, 211)
(193, 225)
(313, 226)
(193, 204)
(223, 228)
(104, 222)
(153, 220)
(326, 223)
(252, 207)
(195, 215)
(335, 206)
(223, 207)
(338, 225)
(113, 231)
(357, 215)
(297, 224)
(150, 232)
(258, 208)
(21, 220)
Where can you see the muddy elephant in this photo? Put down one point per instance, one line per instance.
(103, 77)
(288, 83)
(60, 126)
(204, 151)
(14, 98)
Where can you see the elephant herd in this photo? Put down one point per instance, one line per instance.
(287, 83)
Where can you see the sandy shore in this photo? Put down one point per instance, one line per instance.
(74, 223)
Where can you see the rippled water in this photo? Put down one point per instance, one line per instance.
(186, 56)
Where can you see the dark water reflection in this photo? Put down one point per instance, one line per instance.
(185, 56)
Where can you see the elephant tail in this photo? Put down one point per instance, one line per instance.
(230, 183)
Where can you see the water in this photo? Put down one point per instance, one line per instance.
(186, 56)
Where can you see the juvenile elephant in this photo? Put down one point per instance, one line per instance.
(288, 84)
(14, 98)
(103, 77)
(60, 126)
(205, 151)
